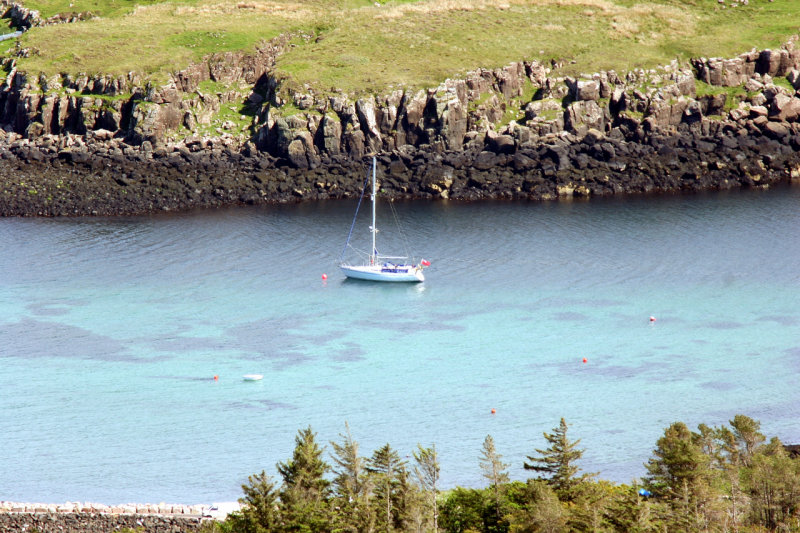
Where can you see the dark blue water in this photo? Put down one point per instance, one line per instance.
(111, 331)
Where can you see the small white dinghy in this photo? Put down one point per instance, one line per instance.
(253, 377)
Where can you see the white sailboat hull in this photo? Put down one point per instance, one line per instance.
(397, 273)
(380, 267)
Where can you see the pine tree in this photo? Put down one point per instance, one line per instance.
(259, 506)
(305, 492)
(679, 473)
(629, 511)
(542, 511)
(557, 463)
(494, 470)
(773, 482)
(427, 471)
(351, 484)
(747, 436)
(720, 446)
(676, 461)
(387, 470)
(464, 511)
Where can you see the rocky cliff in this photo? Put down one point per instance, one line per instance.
(229, 130)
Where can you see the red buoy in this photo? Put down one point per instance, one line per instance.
(584, 359)
(652, 319)
(216, 378)
(324, 277)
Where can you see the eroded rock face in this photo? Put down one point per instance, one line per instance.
(466, 139)
(627, 158)
(582, 115)
(584, 89)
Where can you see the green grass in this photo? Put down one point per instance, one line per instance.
(358, 47)
(107, 99)
(239, 113)
(783, 82)
(207, 42)
(213, 87)
(549, 115)
(735, 95)
(101, 8)
(154, 40)
(633, 114)
(6, 47)
(515, 108)
(288, 109)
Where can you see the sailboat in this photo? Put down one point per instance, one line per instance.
(377, 267)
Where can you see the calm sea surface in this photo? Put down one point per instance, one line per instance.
(112, 330)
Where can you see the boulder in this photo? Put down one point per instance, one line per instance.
(365, 109)
(296, 153)
(485, 160)
(500, 144)
(49, 118)
(606, 88)
(438, 181)
(619, 101)
(279, 138)
(328, 136)
(410, 113)
(586, 90)
(772, 62)
(582, 115)
(354, 143)
(713, 104)
(509, 80)
(685, 82)
(451, 116)
(34, 130)
(785, 108)
(386, 113)
(693, 112)
(522, 163)
(723, 72)
(776, 130)
(793, 77)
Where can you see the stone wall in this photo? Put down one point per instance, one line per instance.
(95, 523)
(97, 518)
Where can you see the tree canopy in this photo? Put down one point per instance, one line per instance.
(714, 479)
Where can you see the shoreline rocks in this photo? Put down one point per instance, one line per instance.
(99, 518)
(100, 508)
(79, 146)
(42, 180)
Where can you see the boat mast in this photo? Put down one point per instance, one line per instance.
(374, 229)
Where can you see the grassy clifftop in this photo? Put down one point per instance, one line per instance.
(363, 45)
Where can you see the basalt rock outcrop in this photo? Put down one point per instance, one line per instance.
(110, 145)
(24, 18)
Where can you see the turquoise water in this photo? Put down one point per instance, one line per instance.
(111, 331)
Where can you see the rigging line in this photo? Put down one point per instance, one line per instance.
(360, 198)
(357, 251)
(403, 237)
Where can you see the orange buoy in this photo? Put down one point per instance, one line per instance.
(324, 277)
(494, 410)
(216, 378)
